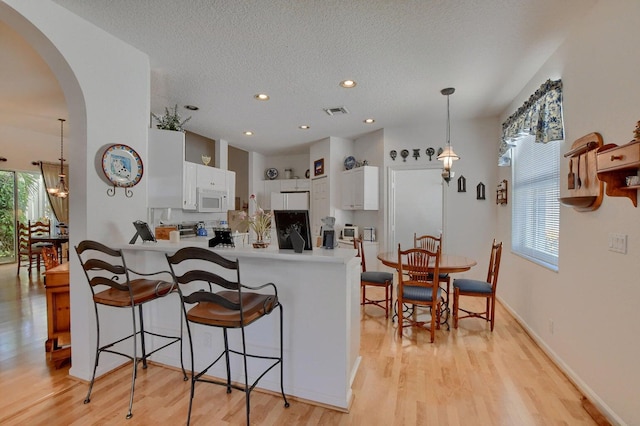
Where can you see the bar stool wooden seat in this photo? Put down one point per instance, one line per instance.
(104, 266)
(211, 300)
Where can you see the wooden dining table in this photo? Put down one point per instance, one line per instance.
(57, 240)
(449, 264)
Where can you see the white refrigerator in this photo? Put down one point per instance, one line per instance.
(289, 201)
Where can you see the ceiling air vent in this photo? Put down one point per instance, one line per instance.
(336, 111)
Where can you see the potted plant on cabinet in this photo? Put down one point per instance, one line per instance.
(171, 120)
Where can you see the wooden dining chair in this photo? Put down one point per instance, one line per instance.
(477, 288)
(374, 279)
(49, 257)
(417, 287)
(28, 253)
(431, 243)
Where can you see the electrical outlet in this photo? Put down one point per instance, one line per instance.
(618, 243)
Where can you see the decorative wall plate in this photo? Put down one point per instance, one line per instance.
(122, 165)
(271, 173)
(349, 162)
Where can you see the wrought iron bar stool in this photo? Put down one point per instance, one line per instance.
(211, 300)
(104, 266)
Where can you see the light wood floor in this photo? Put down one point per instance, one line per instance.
(469, 376)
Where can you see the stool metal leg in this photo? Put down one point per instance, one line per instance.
(286, 403)
(87, 399)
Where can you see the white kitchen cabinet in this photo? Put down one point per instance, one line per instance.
(231, 189)
(265, 199)
(360, 188)
(211, 178)
(295, 185)
(189, 188)
(173, 182)
(164, 169)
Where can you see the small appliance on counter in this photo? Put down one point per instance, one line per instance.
(369, 233)
(349, 232)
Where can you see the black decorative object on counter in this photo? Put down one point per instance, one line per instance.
(222, 238)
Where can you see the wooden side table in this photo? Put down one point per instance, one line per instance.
(58, 343)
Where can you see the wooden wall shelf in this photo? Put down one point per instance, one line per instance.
(614, 164)
(585, 190)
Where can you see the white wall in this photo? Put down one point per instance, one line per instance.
(593, 298)
(469, 224)
(298, 163)
(107, 93)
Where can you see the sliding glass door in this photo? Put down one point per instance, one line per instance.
(22, 198)
(7, 216)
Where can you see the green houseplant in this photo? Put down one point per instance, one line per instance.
(171, 120)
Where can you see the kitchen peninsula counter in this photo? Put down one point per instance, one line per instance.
(319, 291)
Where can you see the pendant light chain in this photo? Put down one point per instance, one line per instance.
(62, 120)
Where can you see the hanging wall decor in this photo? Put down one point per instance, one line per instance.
(122, 166)
(480, 189)
(430, 152)
(501, 192)
(393, 154)
(462, 184)
(416, 153)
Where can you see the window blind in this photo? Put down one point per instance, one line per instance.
(535, 208)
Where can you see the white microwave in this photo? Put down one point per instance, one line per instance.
(211, 201)
(349, 232)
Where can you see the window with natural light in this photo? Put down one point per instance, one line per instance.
(535, 227)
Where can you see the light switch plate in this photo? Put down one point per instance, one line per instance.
(618, 243)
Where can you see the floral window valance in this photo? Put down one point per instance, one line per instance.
(540, 116)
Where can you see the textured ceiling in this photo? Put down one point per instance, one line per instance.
(217, 54)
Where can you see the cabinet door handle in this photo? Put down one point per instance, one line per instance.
(616, 157)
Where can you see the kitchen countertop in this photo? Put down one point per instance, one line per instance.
(318, 254)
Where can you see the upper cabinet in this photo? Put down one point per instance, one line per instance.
(164, 169)
(360, 188)
(173, 182)
(211, 178)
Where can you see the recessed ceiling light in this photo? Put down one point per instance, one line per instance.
(348, 84)
(369, 120)
(248, 133)
(304, 127)
(262, 97)
(191, 107)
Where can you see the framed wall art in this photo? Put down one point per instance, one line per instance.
(318, 167)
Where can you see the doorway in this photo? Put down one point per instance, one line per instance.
(415, 204)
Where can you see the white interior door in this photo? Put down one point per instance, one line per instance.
(416, 205)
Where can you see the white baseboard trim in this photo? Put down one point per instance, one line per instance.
(571, 375)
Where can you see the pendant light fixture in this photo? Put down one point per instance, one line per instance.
(448, 156)
(61, 190)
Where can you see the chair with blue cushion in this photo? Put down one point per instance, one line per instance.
(431, 243)
(418, 285)
(374, 279)
(477, 288)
